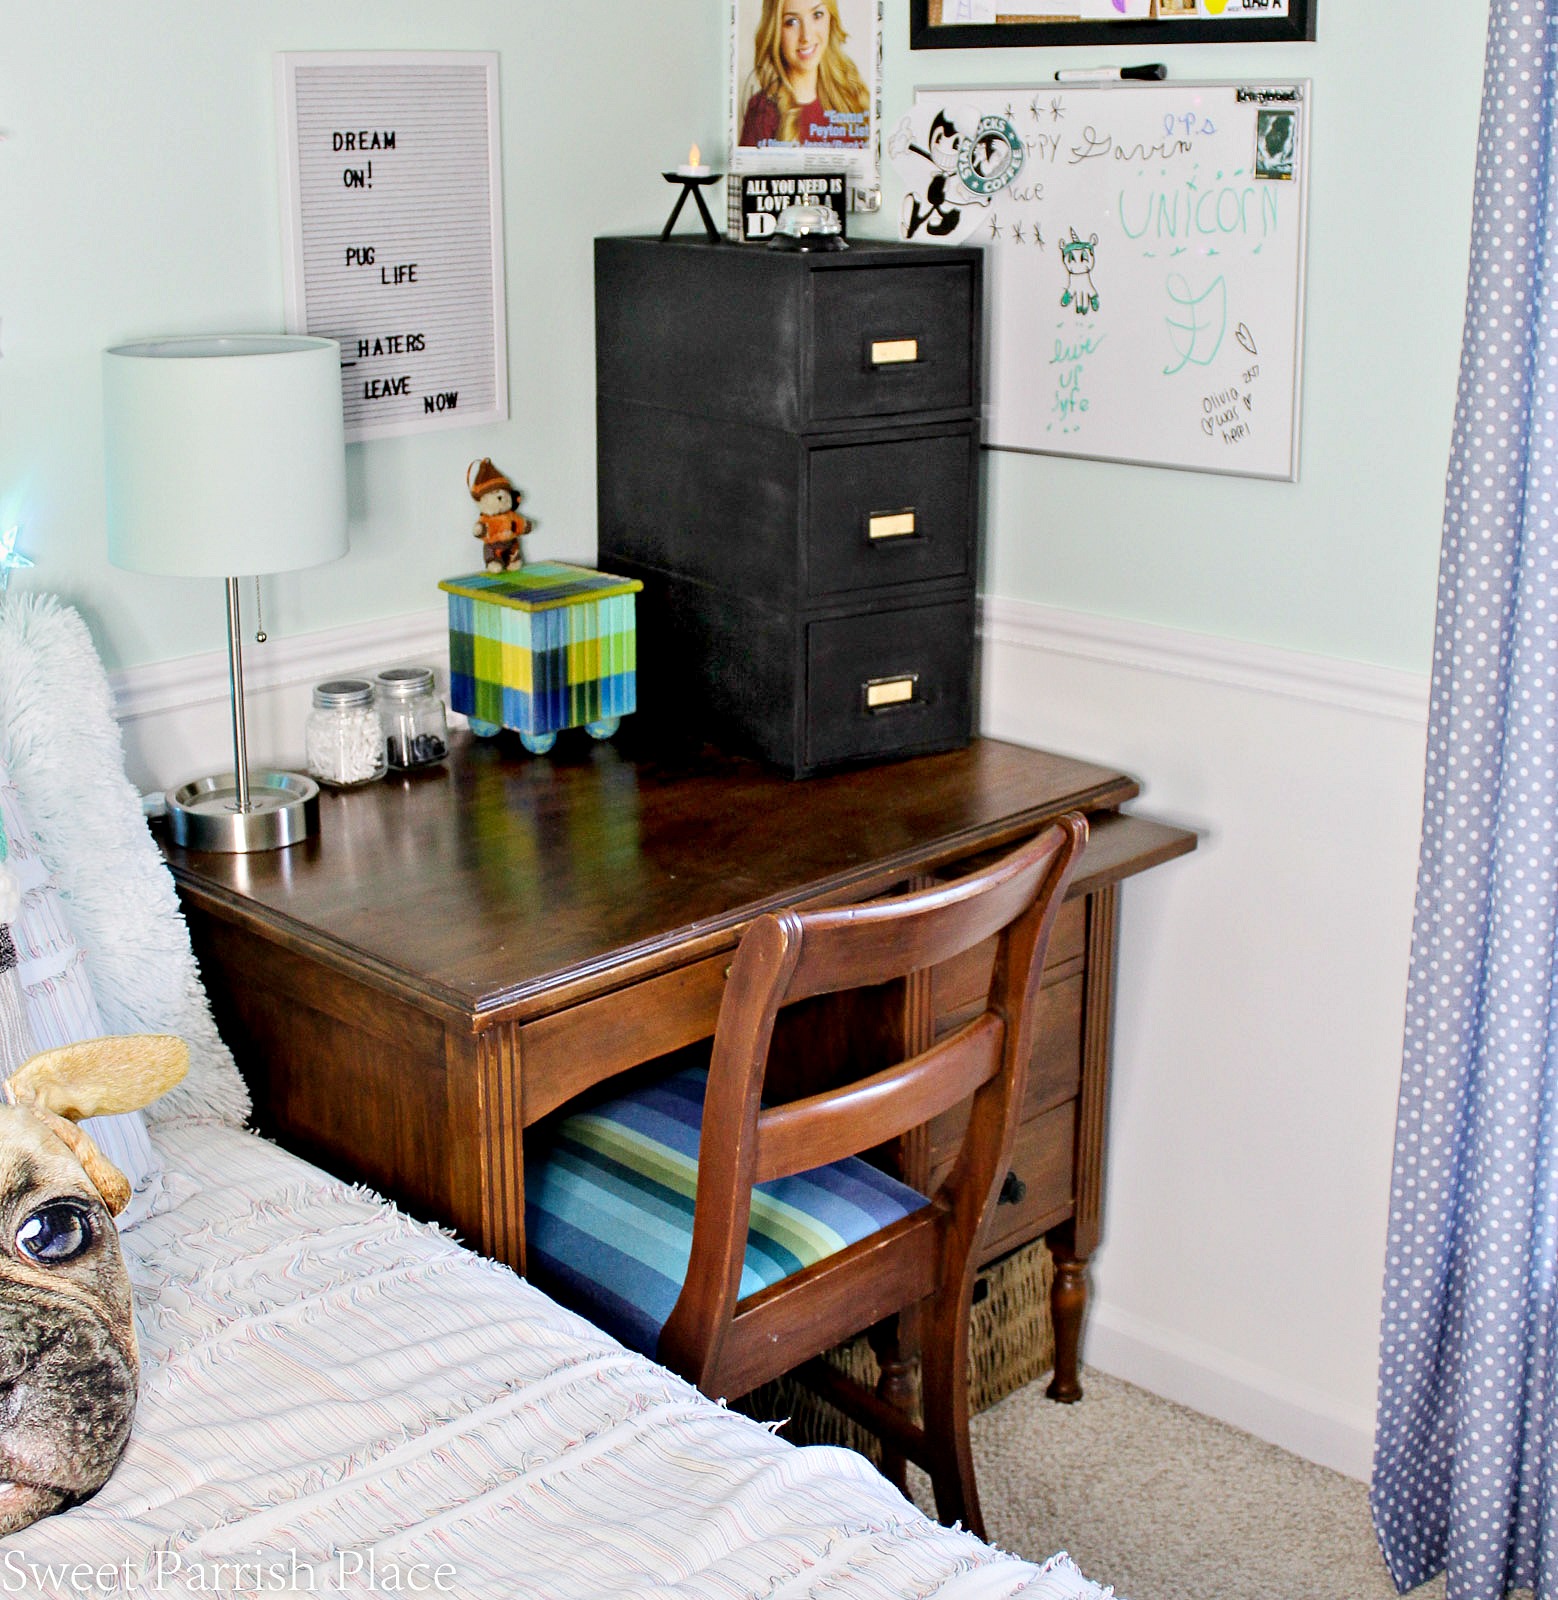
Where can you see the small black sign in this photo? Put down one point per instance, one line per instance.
(757, 198)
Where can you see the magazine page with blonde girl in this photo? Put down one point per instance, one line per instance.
(805, 86)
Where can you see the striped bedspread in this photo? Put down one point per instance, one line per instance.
(336, 1400)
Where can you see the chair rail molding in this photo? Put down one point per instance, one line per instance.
(189, 681)
(1232, 663)
(175, 714)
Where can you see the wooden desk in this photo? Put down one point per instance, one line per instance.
(461, 951)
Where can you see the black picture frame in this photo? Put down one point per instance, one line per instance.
(1299, 24)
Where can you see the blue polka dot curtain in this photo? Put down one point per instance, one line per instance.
(1466, 1451)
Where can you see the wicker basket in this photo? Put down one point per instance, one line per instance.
(1011, 1342)
(1011, 1339)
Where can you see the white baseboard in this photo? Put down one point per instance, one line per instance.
(1217, 1384)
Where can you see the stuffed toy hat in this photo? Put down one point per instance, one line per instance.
(482, 477)
(69, 1368)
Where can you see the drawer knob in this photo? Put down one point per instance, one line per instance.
(894, 352)
(881, 694)
(890, 524)
(1013, 1190)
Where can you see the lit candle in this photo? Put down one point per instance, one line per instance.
(691, 167)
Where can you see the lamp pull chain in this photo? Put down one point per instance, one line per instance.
(259, 615)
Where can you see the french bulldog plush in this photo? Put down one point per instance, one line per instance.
(69, 1368)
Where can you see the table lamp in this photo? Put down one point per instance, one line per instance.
(226, 455)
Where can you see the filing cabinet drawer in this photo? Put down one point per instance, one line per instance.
(784, 339)
(788, 520)
(896, 339)
(890, 683)
(890, 512)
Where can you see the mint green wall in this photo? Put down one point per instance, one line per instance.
(138, 196)
(1343, 562)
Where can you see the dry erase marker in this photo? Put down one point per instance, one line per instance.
(1151, 72)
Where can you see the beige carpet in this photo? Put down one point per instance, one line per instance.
(1166, 1504)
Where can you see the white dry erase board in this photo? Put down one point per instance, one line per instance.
(392, 216)
(1144, 249)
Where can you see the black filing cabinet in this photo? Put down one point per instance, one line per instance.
(787, 453)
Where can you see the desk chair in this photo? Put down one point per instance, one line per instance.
(746, 1255)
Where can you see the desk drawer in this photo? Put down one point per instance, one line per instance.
(896, 511)
(1054, 1069)
(959, 986)
(896, 339)
(889, 683)
(1043, 1193)
(1039, 1191)
(564, 1054)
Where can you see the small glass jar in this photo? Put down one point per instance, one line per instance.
(344, 739)
(416, 732)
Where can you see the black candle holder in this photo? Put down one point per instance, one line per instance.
(690, 186)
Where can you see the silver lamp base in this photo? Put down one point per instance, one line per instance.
(283, 809)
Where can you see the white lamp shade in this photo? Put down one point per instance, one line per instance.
(224, 456)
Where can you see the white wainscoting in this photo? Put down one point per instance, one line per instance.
(175, 714)
(1259, 1009)
(1261, 985)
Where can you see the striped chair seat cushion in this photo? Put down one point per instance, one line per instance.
(608, 1209)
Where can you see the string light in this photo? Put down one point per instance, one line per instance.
(10, 557)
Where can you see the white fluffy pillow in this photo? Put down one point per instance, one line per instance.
(57, 993)
(64, 753)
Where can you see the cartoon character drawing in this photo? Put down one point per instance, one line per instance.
(1076, 256)
(939, 206)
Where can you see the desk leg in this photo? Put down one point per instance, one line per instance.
(1068, 1307)
(1072, 1244)
(486, 1147)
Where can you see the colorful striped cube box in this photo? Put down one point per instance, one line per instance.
(547, 647)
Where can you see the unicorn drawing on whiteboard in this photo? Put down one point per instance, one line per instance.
(1077, 256)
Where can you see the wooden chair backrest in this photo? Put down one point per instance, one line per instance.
(794, 955)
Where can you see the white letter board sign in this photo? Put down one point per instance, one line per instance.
(393, 223)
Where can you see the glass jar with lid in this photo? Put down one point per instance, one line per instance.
(416, 731)
(344, 739)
